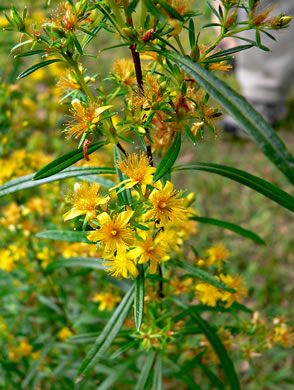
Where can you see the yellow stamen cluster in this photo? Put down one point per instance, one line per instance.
(84, 118)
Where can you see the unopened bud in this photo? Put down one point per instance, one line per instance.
(93, 15)
(81, 7)
(129, 33)
(195, 53)
(16, 19)
(147, 36)
(231, 19)
(281, 21)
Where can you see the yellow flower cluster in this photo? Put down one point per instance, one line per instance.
(10, 256)
(146, 231)
(23, 349)
(210, 295)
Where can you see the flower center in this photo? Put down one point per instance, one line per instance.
(162, 205)
(114, 232)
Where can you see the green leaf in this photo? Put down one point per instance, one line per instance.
(106, 183)
(232, 227)
(216, 382)
(131, 8)
(20, 44)
(170, 10)
(229, 52)
(217, 345)
(219, 348)
(29, 53)
(64, 235)
(235, 307)
(157, 379)
(87, 262)
(237, 106)
(65, 161)
(170, 157)
(26, 182)
(205, 276)
(145, 372)
(139, 298)
(123, 349)
(118, 373)
(107, 335)
(192, 39)
(36, 67)
(256, 183)
(83, 338)
(152, 9)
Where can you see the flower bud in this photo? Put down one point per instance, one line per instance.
(129, 33)
(281, 21)
(81, 7)
(231, 19)
(195, 53)
(17, 20)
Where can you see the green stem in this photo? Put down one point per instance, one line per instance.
(180, 45)
(82, 82)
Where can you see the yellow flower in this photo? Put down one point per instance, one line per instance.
(36, 355)
(208, 294)
(114, 233)
(217, 254)
(165, 204)
(83, 117)
(85, 201)
(125, 71)
(180, 286)
(238, 284)
(221, 66)
(65, 333)
(138, 170)
(45, 256)
(283, 335)
(7, 261)
(25, 348)
(107, 300)
(151, 250)
(123, 264)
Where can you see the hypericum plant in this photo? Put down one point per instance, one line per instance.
(140, 223)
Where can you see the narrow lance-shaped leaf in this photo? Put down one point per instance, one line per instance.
(205, 276)
(145, 372)
(238, 107)
(27, 182)
(232, 227)
(170, 10)
(36, 67)
(65, 161)
(139, 298)
(256, 183)
(85, 262)
(170, 157)
(157, 379)
(220, 350)
(64, 235)
(228, 52)
(107, 335)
